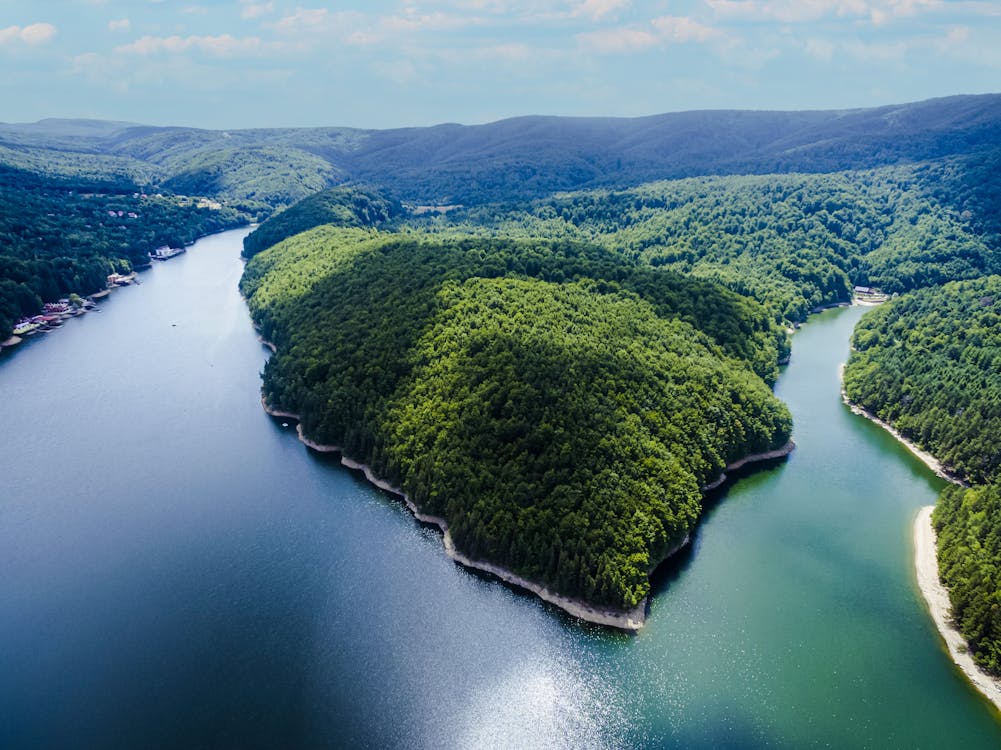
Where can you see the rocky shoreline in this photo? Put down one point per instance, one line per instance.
(927, 458)
(781, 452)
(629, 620)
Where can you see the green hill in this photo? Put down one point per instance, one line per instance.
(558, 404)
(794, 242)
(342, 206)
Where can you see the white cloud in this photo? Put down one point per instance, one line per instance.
(618, 40)
(359, 30)
(971, 46)
(597, 9)
(303, 21)
(683, 29)
(123, 24)
(956, 37)
(223, 45)
(877, 51)
(787, 11)
(660, 31)
(978, 7)
(32, 35)
(412, 22)
(510, 52)
(253, 9)
(799, 11)
(957, 42)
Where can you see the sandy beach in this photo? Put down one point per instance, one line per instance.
(926, 564)
(937, 598)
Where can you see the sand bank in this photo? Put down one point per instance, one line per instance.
(937, 598)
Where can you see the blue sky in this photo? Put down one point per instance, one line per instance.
(382, 63)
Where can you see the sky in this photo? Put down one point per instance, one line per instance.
(383, 63)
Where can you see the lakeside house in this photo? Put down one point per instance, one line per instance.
(165, 251)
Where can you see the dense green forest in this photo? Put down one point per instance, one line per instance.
(794, 242)
(558, 403)
(55, 241)
(929, 363)
(968, 524)
(343, 206)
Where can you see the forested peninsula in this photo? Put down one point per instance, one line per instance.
(557, 404)
(441, 348)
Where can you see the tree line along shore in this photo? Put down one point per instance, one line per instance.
(561, 427)
(928, 367)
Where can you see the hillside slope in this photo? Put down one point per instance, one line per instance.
(559, 405)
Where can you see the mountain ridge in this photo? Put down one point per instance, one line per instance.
(527, 156)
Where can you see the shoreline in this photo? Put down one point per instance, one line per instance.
(751, 458)
(630, 620)
(129, 279)
(934, 593)
(936, 597)
(924, 456)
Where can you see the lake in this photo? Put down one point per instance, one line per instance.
(179, 571)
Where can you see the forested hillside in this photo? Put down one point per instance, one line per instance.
(342, 206)
(535, 156)
(929, 363)
(526, 157)
(560, 405)
(794, 242)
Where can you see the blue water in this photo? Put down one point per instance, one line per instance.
(178, 571)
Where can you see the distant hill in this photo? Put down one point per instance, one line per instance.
(517, 158)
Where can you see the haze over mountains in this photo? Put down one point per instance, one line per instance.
(517, 158)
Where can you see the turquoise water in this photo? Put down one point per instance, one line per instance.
(178, 571)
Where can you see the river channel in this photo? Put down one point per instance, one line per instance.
(178, 571)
